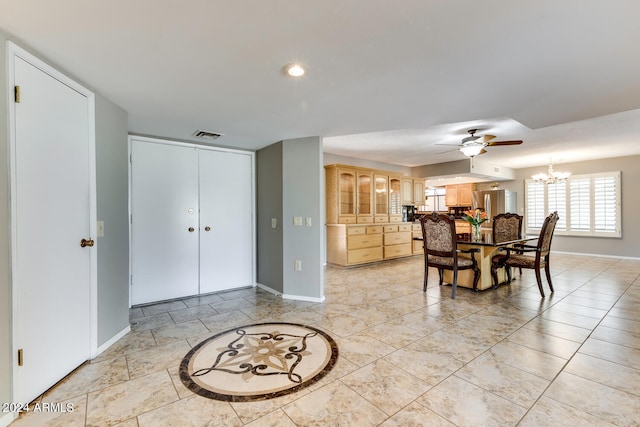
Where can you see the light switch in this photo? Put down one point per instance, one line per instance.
(100, 228)
(274, 222)
(297, 221)
(307, 221)
(297, 265)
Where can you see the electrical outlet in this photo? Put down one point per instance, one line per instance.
(297, 221)
(307, 221)
(274, 222)
(297, 265)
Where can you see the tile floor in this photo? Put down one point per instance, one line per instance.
(501, 357)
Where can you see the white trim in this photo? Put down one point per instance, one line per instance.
(14, 51)
(268, 289)
(8, 418)
(112, 341)
(302, 298)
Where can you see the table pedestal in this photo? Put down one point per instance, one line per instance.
(483, 258)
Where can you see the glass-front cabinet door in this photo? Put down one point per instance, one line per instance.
(382, 198)
(395, 199)
(364, 197)
(346, 196)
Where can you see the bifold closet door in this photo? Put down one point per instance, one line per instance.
(164, 229)
(226, 242)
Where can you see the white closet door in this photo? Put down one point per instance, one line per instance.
(52, 277)
(164, 207)
(226, 250)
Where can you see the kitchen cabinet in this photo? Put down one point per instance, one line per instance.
(459, 194)
(395, 199)
(349, 195)
(413, 191)
(381, 186)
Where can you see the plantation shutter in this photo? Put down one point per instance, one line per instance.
(535, 204)
(580, 204)
(605, 197)
(557, 202)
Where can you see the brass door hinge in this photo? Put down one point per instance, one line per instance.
(20, 357)
(16, 91)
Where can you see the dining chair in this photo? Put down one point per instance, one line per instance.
(517, 257)
(507, 227)
(441, 250)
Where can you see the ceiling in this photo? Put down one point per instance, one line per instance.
(386, 81)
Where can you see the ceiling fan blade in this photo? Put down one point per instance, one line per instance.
(451, 144)
(487, 138)
(482, 152)
(496, 143)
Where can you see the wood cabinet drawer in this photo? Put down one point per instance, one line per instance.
(365, 219)
(352, 231)
(404, 227)
(395, 218)
(357, 256)
(346, 220)
(417, 227)
(417, 246)
(375, 229)
(364, 241)
(390, 228)
(383, 218)
(397, 250)
(397, 238)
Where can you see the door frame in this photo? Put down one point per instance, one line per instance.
(14, 51)
(192, 144)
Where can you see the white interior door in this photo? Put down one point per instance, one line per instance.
(164, 207)
(226, 250)
(52, 191)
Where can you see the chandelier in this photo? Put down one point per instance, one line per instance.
(551, 177)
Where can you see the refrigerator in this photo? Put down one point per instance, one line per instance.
(494, 202)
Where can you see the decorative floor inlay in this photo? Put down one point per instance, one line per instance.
(258, 362)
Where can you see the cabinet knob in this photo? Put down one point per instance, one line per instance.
(207, 228)
(191, 229)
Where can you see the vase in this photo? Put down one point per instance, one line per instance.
(476, 233)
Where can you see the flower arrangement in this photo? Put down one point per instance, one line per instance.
(475, 218)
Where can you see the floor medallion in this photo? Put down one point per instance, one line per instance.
(258, 362)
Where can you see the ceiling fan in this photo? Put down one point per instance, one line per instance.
(474, 145)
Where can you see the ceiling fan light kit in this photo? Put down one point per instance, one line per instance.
(474, 145)
(471, 150)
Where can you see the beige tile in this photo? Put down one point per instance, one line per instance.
(67, 413)
(465, 404)
(416, 415)
(536, 362)
(334, 404)
(157, 359)
(548, 412)
(251, 411)
(222, 322)
(431, 368)
(620, 323)
(546, 343)
(617, 407)
(617, 336)
(174, 373)
(386, 386)
(123, 401)
(275, 419)
(89, 377)
(616, 353)
(153, 309)
(192, 313)
(152, 322)
(192, 411)
(180, 331)
(130, 343)
(511, 383)
(604, 372)
(343, 325)
(557, 329)
(448, 344)
(395, 335)
(362, 349)
(202, 300)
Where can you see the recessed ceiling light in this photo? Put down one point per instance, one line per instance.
(295, 70)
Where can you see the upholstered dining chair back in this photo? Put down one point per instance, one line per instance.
(507, 227)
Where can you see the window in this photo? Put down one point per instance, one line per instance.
(588, 205)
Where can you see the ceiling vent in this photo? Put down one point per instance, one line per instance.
(207, 134)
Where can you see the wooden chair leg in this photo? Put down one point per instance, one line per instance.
(494, 275)
(539, 280)
(441, 274)
(426, 275)
(455, 283)
(476, 278)
(547, 271)
(506, 267)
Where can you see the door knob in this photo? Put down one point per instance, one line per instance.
(191, 229)
(84, 243)
(207, 228)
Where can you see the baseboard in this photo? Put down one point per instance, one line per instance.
(597, 255)
(287, 296)
(302, 298)
(8, 418)
(112, 341)
(268, 289)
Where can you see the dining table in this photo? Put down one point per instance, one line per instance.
(486, 249)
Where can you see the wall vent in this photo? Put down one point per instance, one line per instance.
(496, 169)
(207, 134)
